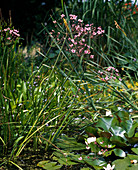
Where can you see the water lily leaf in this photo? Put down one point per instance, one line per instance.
(119, 152)
(118, 131)
(91, 131)
(136, 134)
(119, 141)
(105, 134)
(121, 164)
(135, 150)
(97, 164)
(126, 125)
(132, 130)
(104, 123)
(133, 157)
(49, 165)
(123, 115)
(66, 161)
(132, 140)
(105, 142)
(125, 164)
(69, 144)
(94, 148)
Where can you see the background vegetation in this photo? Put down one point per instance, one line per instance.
(64, 109)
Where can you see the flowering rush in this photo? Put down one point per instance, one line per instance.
(78, 35)
(10, 34)
(109, 74)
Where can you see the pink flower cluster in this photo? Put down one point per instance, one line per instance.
(110, 73)
(78, 36)
(10, 33)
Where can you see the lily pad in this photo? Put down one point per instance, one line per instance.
(49, 165)
(105, 142)
(132, 130)
(104, 123)
(122, 164)
(119, 141)
(135, 150)
(119, 152)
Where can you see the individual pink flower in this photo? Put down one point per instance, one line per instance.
(62, 16)
(80, 158)
(120, 79)
(71, 45)
(117, 74)
(109, 68)
(73, 17)
(16, 34)
(99, 32)
(102, 142)
(99, 28)
(87, 25)
(80, 20)
(72, 40)
(55, 22)
(94, 33)
(91, 56)
(106, 78)
(86, 52)
(73, 51)
(11, 31)
(14, 30)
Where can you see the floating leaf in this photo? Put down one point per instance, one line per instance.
(91, 131)
(119, 141)
(121, 164)
(105, 134)
(135, 150)
(118, 131)
(104, 123)
(69, 144)
(49, 165)
(105, 142)
(132, 140)
(133, 157)
(119, 152)
(132, 130)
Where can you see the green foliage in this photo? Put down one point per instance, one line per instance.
(80, 115)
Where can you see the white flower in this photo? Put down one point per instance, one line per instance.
(87, 147)
(108, 113)
(100, 153)
(135, 161)
(90, 140)
(109, 167)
